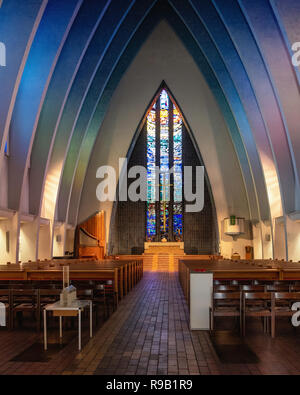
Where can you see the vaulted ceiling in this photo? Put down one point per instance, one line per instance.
(65, 59)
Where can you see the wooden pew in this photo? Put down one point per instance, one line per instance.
(124, 273)
(229, 269)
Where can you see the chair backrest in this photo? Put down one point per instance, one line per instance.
(221, 282)
(24, 292)
(22, 286)
(295, 288)
(287, 296)
(6, 296)
(277, 288)
(49, 292)
(253, 288)
(85, 293)
(257, 295)
(240, 282)
(5, 292)
(259, 282)
(279, 283)
(226, 295)
(226, 288)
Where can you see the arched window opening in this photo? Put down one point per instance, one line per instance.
(164, 170)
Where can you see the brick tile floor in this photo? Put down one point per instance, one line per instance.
(149, 334)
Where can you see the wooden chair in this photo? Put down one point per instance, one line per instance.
(279, 287)
(295, 288)
(100, 298)
(46, 296)
(85, 294)
(83, 284)
(225, 304)
(284, 309)
(4, 285)
(110, 294)
(5, 298)
(88, 294)
(21, 286)
(24, 300)
(258, 304)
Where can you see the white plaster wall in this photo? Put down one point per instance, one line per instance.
(69, 242)
(28, 237)
(230, 246)
(3, 183)
(164, 57)
(267, 240)
(24, 203)
(293, 237)
(5, 226)
(279, 239)
(257, 244)
(58, 246)
(10, 225)
(44, 249)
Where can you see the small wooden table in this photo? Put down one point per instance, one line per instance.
(68, 311)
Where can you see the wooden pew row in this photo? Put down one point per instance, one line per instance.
(138, 261)
(237, 270)
(123, 274)
(177, 258)
(135, 266)
(55, 274)
(134, 262)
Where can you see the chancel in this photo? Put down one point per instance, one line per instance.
(149, 149)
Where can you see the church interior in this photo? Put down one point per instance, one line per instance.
(149, 187)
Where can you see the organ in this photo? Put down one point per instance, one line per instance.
(90, 237)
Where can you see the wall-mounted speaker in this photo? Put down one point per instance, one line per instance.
(58, 238)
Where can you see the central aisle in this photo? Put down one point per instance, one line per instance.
(149, 334)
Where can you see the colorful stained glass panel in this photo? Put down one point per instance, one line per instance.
(151, 219)
(164, 160)
(177, 160)
(164, 136)
(151, 179)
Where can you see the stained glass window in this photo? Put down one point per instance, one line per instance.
(162, 113)
(177, 163)
(164, 161)
(151, 155)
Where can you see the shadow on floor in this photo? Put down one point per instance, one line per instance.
(230, 347)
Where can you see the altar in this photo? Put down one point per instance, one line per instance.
(168, 247)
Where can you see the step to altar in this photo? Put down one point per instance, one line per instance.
(161, 262)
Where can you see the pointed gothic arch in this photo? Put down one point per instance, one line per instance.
(173, 143)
